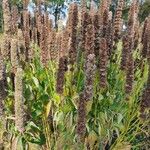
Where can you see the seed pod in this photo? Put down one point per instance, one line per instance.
(118, 21)
(73, 33)
(63, 62)
(89, 76)
(6, 16)
(19, 102)
(103, 52)
(81, 122)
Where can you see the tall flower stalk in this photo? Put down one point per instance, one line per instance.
(19, 101)
(72, 25)
(130, 60)
(3, 94)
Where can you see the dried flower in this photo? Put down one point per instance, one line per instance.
(90, 37)
(25, 4)
(6, 16)
(26, 18)
(146, 39)
(3, 85)
(124, 52)
(19, 102)
(118, 21)
(14, 54)
(145, 102)
(103, 52)
(52, 45)
(136, 34)
(87, 95)
(14, 20)
(63, 62)
(89, 76)
(64, 44)
(3, 95)
(5, 46)
(81, 123)
(73, 14)
(97, 36)
(44, 46)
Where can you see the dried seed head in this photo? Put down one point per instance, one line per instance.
(89, 76)
(14, 54)
(84, 23)
(52, 45)
(145, 101)
(83, 4)
(63, 62)
(90, 37)
(21, 45)
(146, 39)
(103, 52)
(129, 74)
(5, 46)
(93, 9)
(102, 8)
(3, 85)
(136, 34)
(125, 49)
(6, 16)
(73, 33)
(97, 35)
(58, 44)
(25, 4)
(64, 45)
(130, 60)
(44, 46)
(34, 35)
(14, 20)
(109, 35)
(118, 20)
(144, 29)
(81, 123)
(19, 103)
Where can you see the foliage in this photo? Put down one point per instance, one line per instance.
(113, 122)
